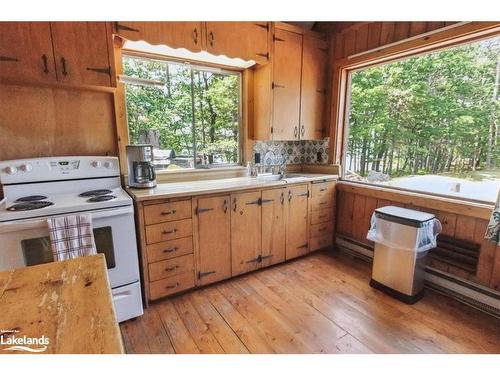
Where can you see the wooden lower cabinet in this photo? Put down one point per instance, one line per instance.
(273, 227)
(245, 232)
(213, 217)
(231, 234)
(322, 208)
(296, 221)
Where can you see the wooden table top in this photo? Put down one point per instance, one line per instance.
(65, 306)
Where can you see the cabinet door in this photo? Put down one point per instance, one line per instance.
(214, 239)
(245, 232)
(173, 34)
(81, 53)
(26, 52)
(273, 226)
(296, 229)
(313, 91)
(286, 84)
(246, 40)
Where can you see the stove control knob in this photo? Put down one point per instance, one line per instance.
(108, 164)
(10, 170)
(96, 164)
(26, 167)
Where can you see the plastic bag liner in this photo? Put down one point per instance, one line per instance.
(403, 237)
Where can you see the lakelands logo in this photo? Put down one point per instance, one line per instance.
(22, 343)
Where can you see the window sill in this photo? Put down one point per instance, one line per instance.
(431, 201)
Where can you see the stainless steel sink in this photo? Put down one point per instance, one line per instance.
(289, 177)
(270, 177)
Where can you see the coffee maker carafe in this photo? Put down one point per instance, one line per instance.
(141, 172)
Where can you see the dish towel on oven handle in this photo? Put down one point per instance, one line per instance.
(71, 236)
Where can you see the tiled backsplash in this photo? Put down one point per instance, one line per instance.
(294, 152)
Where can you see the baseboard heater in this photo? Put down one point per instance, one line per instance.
(472, 294)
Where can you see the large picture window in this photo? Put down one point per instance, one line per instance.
(428, 123)
(190, 114)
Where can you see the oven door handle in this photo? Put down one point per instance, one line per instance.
(14, 226)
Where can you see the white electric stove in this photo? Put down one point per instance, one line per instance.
(36, 189)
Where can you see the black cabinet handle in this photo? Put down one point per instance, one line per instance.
(171, 250)
(45, 63)
(282, 198)
(295, 132)
(211, 38)
(8, 58)
(169, 231)
(203, 274)
(195, 36)
(172, 286)
(276, 86)
(234, 204)
(258, 201)
(164, 213)
(63, 62)
(201, 210)
(119, 26)
(106, 70)
(224, 206)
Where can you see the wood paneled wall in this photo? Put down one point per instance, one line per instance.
(49, 121)
(364, 36)
(356, 203)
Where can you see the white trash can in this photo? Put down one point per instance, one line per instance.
(402, 239)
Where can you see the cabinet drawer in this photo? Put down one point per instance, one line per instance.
(160, 213)
(322, 188)
(322, 195)
(169, 249)
(321, 229)
(321, 242)
(171, 267)
(171, 285)
(168, 231)
(321, 216)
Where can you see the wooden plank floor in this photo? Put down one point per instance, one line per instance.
(317, 304)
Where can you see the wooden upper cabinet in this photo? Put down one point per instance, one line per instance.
(297, 225)
(26, 52)
(173, 34)
(245, 232)
(214, 239)
(81, 53)
(246, 40)
(273, 226)
(314, 88)
(286, 84)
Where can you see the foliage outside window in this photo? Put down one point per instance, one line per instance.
(429, 123)
(191, 115)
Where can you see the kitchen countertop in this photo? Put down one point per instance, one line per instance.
(190, 188)
(66, 303)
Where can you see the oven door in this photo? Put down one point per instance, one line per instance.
(26, 242)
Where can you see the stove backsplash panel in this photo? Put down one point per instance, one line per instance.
(293, 152)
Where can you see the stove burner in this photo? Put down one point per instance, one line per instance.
(95, 193)
(31, 198)
(27, 206)
(101, 198)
